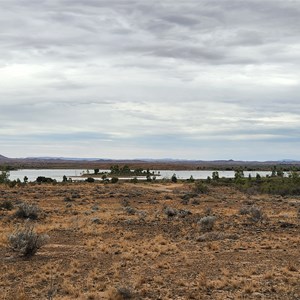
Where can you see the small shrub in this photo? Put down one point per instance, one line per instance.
(28, 211)
(174, 178)
(170, 212)
(130, 210)
(114, 179)
(191, 179)
(7, 204)
(75, 195)
(12, 183)
(26, 241)
(207, 223)
(125, 202)
(124, 293)
(134, 180)
(245, 210)
(182, 213)
(120, 293)
(208, 211)
(256, 214)
(200, 188)
(196, 202)
(185, 201)
(68, 199)
(186, 197)
(90, 180)
(43, 179)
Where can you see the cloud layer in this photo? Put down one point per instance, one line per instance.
(127, 79)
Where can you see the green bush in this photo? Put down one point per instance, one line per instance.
(90, 180)
(134, 180)
(114, 179)
(174, 178)
(4, 177)
(200, 188)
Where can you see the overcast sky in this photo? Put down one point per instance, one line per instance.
(189, 79)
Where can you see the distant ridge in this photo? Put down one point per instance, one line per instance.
(4, 158)
(52, 160)
(62, 158)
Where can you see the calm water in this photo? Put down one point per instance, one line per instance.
(73, 173)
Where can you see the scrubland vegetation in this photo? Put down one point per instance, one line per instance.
(210, 239)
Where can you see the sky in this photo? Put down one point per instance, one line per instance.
(193, 79)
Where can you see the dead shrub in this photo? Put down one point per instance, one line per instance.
(26, 241)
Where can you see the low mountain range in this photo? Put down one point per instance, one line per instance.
(64, 161)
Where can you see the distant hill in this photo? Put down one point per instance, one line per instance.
(155, 164)
(3, 158)
(61, 158)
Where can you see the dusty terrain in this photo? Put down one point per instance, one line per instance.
(144, 241)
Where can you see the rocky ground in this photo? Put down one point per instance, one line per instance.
(151, 241)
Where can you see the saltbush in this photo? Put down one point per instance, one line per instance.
(26, 241)
(207, 223)
(28, 211)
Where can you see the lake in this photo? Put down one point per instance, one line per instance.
(58, 174)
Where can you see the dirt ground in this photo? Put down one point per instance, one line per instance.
(147, 241)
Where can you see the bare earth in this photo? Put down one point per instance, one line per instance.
(115, 241)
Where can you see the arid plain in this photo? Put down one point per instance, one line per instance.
(149, 241)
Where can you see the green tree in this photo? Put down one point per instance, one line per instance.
(191, 179)
(4, 177)
(115, 169)
(215, 175)
(280, 173)
(174, 178)
(239, 174)
(125, 170)
(273, 174)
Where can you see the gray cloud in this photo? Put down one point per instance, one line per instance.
(198, 79)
